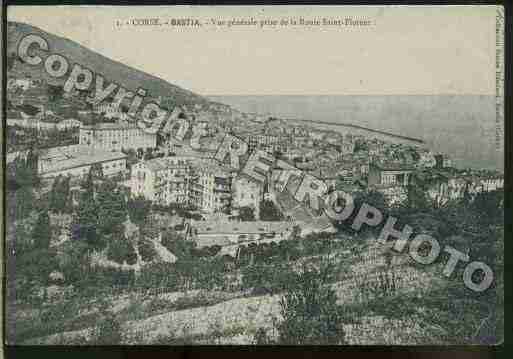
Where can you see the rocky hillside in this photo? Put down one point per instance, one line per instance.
(112, 70)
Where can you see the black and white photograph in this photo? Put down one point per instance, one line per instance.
(254, 175)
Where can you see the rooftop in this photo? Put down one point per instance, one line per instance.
(234, 227)
(393, 166)
(66, 157)
(111, 126)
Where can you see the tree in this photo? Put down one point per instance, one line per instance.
(123, 108)
(488, 209)
(246, 214)
(269, 211)
(36, 265)
(177, 245)
(417, 197)
(138, 210)
(209, 272)
(146, 250)
(42, 233)
(267, 278)
(21, 203)
(54, 195)
(372, 198)
(96, 171)
(360, 145)
(22, 172)
(108, 330)
(85, 221)
(121, 250)
(74, 261)
(112, 208)
(309, 310)
(87, 184)
(60, 198)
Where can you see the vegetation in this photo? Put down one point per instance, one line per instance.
(85, 221)
(139, 209)
(121, 250)
(112, 208)
(270, 212)
(309, 310)
(178, 245)
(108, 331)
(42, 233)
(146, 250)
(60, 196)
(246, 214)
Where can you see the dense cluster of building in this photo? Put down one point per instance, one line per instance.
(183, 176)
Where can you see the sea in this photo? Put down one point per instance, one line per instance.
(462, 126)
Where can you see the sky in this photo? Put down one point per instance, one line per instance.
(404, 50)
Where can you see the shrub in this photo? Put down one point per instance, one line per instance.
(267, 278)
(158, 275)
(270, 212)
(261, 337)
(177, 245)
(108, 331)
(121, 250)
(310, 312)
(146, 250)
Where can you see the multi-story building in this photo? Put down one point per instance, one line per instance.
(162, 180)
(389, 174)
(211, 186)
(347, 147)
(446, 187)
(442, 161)
(269, 143)
(116, 136)
(76, 160)
(187, 180)
(110, 110)
(247, 192)
(23, 83)
(69, 124)
(426, 159)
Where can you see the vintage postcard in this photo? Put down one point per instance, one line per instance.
(286, 175)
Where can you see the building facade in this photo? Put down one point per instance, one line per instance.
(210, 233)
(247, 192)
(184, 180)
(211, 186)
(77, 160)
(114, 136)
(162, 180)
(389, 174)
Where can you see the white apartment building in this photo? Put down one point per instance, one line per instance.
(247, 192)
(68, 124)
(162, 180)
(116, 136)
(211, 186)
(185, 179)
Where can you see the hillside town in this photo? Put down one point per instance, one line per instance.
(71, 139)
(95, 203)
(74, 138)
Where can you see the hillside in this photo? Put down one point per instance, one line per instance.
(115, 71)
